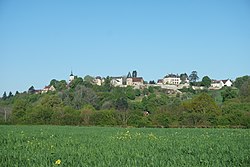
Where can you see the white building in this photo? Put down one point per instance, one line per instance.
(227, 82)
(71, 77)
(116, 81)
(98, 81)
(48, 88)
(218, 84)
(134, 81)
(172, 79)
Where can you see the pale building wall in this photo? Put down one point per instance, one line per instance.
(137, 83)
(129, 81)
(228, 83)
(98, 82)
(71, 78)
(217, 85)
(170, 80)
(116, 82)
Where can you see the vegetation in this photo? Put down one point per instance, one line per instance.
(206, 81)
(93, 146)
(83, 103)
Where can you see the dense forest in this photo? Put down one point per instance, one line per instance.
(83, 103)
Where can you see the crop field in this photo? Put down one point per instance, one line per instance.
(96, 146)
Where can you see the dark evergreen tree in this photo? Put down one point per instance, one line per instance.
(129, 75)
(31, 90)
(193, 77)
(134, 74)
(10, 95)
(152, 82)
(4, 96)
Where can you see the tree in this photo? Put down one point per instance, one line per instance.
(201, 110)
(145, 91)
(4, 96)
(53, 82)
(40, 115)
(245, 91)
(150, 103)
(70, 116)
(228, 93)
(62, 85)
(58, 85)
(103, 117)
(10, 95)
(161, 119)
(88, 78)
(121, 104)
(20, 110)
(82, 96)
(129, 75)
(203, 103)
(134, 74)
(183, 77)
(206, 81)
(193, 77)
(152, 82)
(107, 86)
(151, 89)
(130, 93)
(86, 113)
(240, 80)
(31, 90)
(137, 92)
(51, 101)
(17, 93)
(75, 82)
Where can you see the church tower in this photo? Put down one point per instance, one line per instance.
(71, 77)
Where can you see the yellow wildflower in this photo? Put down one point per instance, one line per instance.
(58, 162)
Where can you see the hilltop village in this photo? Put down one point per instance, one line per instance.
(173, 101)
(171, 82)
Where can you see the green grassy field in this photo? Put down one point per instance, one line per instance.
(94, 146)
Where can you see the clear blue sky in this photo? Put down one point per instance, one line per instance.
(45, 39)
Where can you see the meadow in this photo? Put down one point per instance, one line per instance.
(69, 146)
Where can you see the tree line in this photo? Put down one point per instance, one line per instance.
(83, 103)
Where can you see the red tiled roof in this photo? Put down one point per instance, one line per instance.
(137, 79)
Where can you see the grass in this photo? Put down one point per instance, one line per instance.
(95, 146)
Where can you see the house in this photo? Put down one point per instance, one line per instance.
(134, 81)
(38, 91)
(98, 81)
(137, 81)
(48, 88)
(218, 84)
(172, 79)
(227, 82)
(116, 81)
